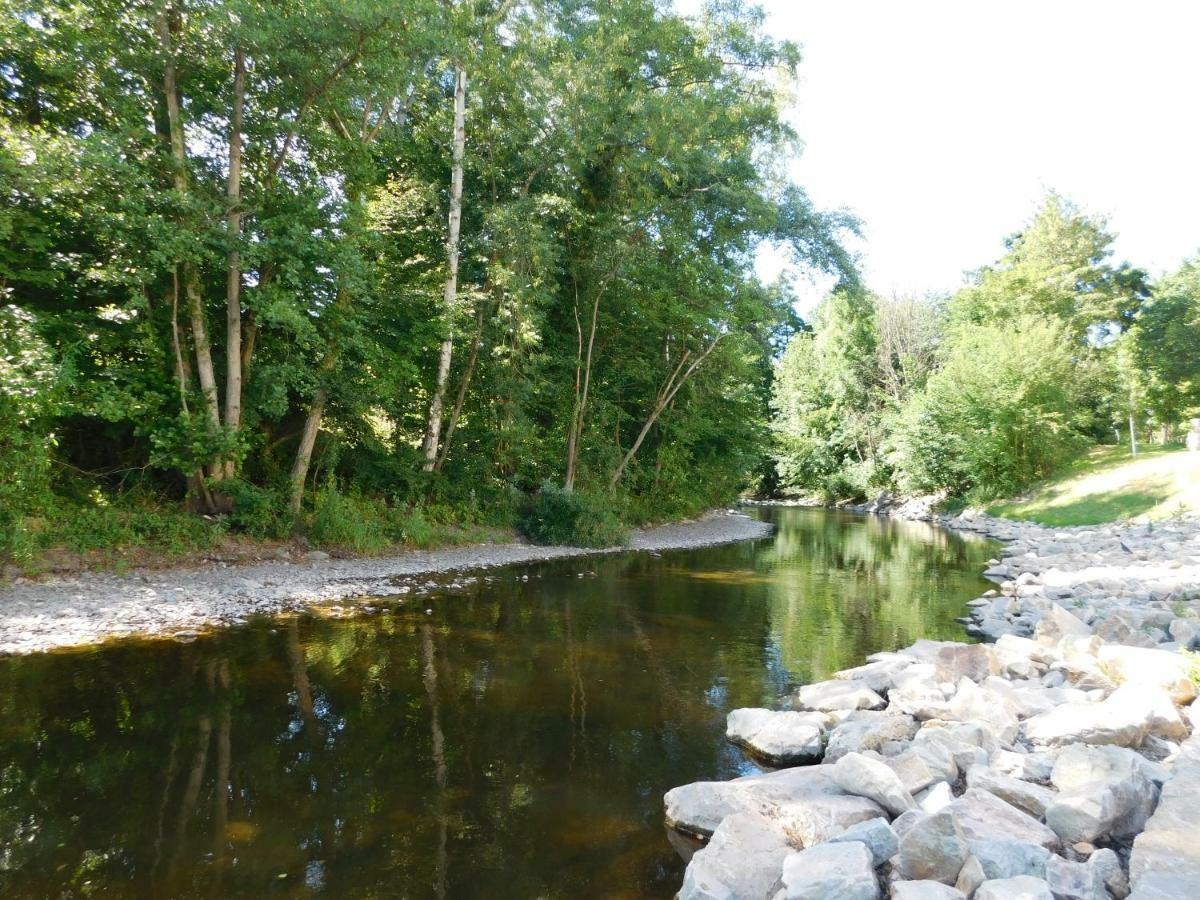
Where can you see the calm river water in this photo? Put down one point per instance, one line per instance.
(514, 742)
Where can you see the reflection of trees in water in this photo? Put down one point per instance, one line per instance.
(843, 586)
(523, 725)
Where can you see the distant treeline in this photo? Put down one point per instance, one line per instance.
(979, 394)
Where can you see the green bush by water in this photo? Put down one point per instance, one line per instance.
(555, 515)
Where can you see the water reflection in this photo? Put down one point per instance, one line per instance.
(514, 743)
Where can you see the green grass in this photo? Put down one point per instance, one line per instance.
(1109, 485)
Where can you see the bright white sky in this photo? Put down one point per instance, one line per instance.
(941, 123)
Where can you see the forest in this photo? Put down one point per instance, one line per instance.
(371, 272)
(1049, 351)
(368, 274)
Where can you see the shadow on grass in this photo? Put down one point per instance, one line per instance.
(1133, 499)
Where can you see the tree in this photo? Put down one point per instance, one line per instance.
(1057, 267)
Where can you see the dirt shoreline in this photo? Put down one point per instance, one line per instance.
(95, 606)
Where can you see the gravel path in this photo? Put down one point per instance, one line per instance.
(179, 603)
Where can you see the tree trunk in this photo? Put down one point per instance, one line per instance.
(308, 438)
(468, 370)
(233, 262)
(677, 380)
(191, 281)
(583, 379)
(434, 426)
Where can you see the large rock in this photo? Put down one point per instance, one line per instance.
(743, 859)
(830, 872)
(933, 848)
(1023, 887)
(1122, 719)
(1029, 798)
(778, 738)
(925, 890)
(867, 730)
(974, 661)
(879, 675)
(806, 801)
(984, 817)
(1150, 668)
(963, 744)
(838, 695)
(978, 706)
(878, 837)
(923, 765)
(1056, 623)
(1165, 863)
(1106, 792)
(872, 778)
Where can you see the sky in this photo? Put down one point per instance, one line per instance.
(942, 123)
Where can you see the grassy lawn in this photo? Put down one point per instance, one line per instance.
(1108, 485)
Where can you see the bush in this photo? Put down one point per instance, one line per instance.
(555, 515)
(258, 512)
(349, 521)
(126, 523)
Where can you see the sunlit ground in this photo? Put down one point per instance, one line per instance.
(1109, 485)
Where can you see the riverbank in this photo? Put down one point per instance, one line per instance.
(1058, 762)
(95, 606)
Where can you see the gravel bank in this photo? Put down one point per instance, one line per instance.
(179, 603)
(1061, 762)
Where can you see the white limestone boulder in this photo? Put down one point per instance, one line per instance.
(838, 695)
(830, 872)
(744, 858)
(933, 848)
(874, 779)
(779, 738)
(806, 801)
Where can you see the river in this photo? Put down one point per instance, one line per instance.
(507, 737)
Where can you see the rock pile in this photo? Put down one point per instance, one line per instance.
(1058, 762)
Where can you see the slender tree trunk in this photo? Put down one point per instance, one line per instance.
(460, 400)
(434, 426)
(191, 280)
(308, 439)
(676, 380)
(233, 261)
(583, 380)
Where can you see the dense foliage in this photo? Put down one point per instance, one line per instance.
(416, 254)
(980, 394)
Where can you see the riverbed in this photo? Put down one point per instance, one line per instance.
(509, 733)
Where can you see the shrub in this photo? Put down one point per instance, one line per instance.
(258, 512)
(555, 515)
(348, 520)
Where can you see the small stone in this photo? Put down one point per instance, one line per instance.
(1108, 864)
(1074, 880)
(935, 798)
